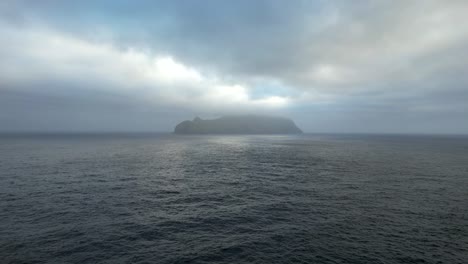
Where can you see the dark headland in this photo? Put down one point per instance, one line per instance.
(245, 124)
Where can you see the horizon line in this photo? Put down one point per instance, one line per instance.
(101, 132)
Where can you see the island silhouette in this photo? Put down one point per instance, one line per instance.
(239, 124)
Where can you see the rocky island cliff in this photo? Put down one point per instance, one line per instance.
(247, 124)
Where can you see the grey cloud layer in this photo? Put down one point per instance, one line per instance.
(397, 66)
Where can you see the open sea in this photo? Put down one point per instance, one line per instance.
(163, 198)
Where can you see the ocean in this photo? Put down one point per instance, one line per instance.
(163, 198)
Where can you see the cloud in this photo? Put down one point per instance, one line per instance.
(344, 60)
(43, 56)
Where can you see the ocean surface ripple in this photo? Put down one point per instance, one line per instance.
(162, 198)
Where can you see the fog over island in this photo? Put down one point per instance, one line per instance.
(332, 66)
(246, 124)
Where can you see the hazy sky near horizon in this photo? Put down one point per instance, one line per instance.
(332, 66)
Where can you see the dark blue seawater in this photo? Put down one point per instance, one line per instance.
(164, 198)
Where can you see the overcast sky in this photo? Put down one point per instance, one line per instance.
(332, 66)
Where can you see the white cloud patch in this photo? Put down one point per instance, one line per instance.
(33, 56)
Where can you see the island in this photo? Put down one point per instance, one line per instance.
(241, 124)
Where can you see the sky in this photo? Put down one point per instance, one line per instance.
(361, 66)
